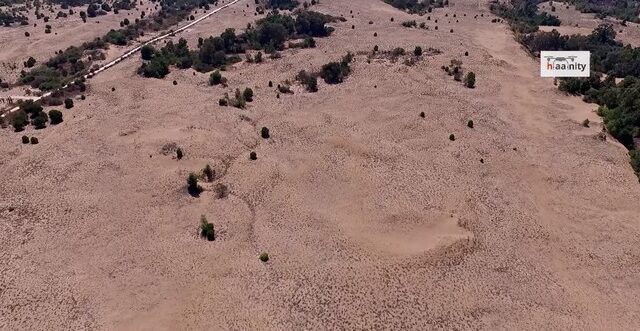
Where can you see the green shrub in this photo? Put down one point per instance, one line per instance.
(34, 141)
(68, 103)
(55, 116)
(264, 257)
(40, 120)
(264, 132)
(253, 156)
(248, 94)
(452, 137)
(585, 123)
(192, 184)
(209, 173)
(216, 78)
(417, 51)
(19, 121)
(310, 81)
(207, 229)
(223, 102)
(470, 80)
(25, 139)
(422, 114)
(470, 124)
(635, 161)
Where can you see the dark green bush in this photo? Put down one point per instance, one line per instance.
(68, 103)
(253, 156)
(55, 116)
(19, 121)
(470, 80)
(264, 132)
(247, 94)
(25, 139)
(264, 257)
(216, 78)
(34, 141)
(192, 184)
(40, 120)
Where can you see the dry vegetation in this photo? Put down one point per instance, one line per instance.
(387, 178)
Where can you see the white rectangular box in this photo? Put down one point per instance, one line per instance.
(565, 63)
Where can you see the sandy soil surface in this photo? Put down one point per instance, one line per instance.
(65, 32)
(372, 217)
(573, 21)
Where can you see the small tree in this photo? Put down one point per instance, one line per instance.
(452, 137)
(55, 116)
(179, 153)
(265, 133)
(470, 124)
(209, 173)
(422, 114)
(206, 229)
(34, 141)
(25, 139)
(68, 103)
(253, 156)
(417, 51)
(470, 80)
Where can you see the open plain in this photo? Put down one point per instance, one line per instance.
(372, 217)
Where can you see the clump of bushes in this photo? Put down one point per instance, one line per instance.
(334, 72)
(310, 81)
(216, 78)
(410, 24)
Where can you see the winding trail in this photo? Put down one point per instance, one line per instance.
(133, 51)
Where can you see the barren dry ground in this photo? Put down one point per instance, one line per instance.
(372, 217)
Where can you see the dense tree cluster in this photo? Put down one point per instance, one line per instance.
(523, 15)
(417, 6)
(269, 34)
(622, 9)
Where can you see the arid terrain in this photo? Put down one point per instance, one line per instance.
(372, 217)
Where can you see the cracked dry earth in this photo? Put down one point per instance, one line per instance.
(372, 217)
